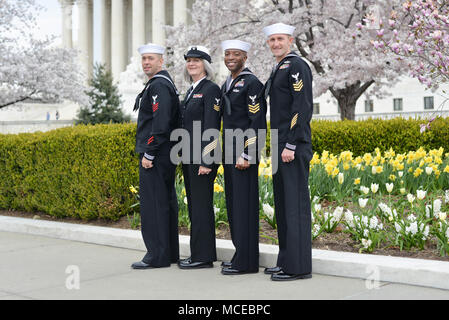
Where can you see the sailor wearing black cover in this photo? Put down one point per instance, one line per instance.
(158, 107)
(291, 105)
(201, 106)
(242, 111)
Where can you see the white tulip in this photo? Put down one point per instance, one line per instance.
(341, 178)
(389, 187)
(410, 198)
(442, 215)
(374, 187)
(429, 170)
(421, 194)
(437, 206)
(400, 174)
(364, 189)
(363, 202)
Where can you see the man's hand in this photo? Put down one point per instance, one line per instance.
(147, 164)
(204, 171)
(242, 164)
(288, 155)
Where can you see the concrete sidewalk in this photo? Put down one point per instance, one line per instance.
(36, 267)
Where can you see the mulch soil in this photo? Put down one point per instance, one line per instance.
(337, 241)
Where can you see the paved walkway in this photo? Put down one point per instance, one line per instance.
(33, 267)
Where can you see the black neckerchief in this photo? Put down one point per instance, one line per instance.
(267, 87)
(226, 100)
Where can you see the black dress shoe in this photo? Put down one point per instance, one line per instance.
(226, 264)
(188, 264)
(282, 276)
(272, 270)
(231, 271)
(186, 260)
(141, 265)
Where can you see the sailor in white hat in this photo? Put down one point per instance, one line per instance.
(242, 111)
(158, 107)
(291, 104)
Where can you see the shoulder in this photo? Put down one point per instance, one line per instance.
(298, 63)
(160, 84)
(251, 79)
(211, 87)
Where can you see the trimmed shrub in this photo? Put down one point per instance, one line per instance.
(83, 172)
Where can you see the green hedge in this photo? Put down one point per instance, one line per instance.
(361, 137)
(82, 172)
(86, 171)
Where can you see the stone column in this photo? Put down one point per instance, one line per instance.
(105, 8)
(159, 22)
(118, 48)
(67, 7)
(85, 35)
(138, 28)
(179, 12)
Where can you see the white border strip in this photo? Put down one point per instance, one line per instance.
(420, 272)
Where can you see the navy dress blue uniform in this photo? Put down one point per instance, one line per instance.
(242, 109)
(203, 106)
(291, 108)
(158, 107)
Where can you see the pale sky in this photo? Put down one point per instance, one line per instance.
(50, 23)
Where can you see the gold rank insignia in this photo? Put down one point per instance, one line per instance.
(294, 121)
(211, 146)
(250, 141)
(254, 108)
(299, 84)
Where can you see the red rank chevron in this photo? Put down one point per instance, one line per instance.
(155, 107)
(151, 140)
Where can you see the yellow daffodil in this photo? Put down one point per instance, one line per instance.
(218, 188)
(417, 172)
(133, 189)
(357, 181)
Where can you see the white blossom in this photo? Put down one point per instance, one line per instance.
(374, 187)
(33, 68)
(373, 223)
(437, 206)
(421, 194)
(366, 243)
(338, 212)
(268, 210)
(363, 202)
(389, 187)
(364, 189)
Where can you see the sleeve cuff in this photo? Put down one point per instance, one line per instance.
(148, 157)
(290, 147)
(246, 157)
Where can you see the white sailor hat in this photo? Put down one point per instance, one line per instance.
(279, 28)
(198, 52)
(236, 44)
(151, 48)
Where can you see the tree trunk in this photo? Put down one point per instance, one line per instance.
(347, 98)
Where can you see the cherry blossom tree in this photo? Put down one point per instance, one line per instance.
(416, 32)
(342, 59)
(33, 68)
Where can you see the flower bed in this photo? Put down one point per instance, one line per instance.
(380, 200)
